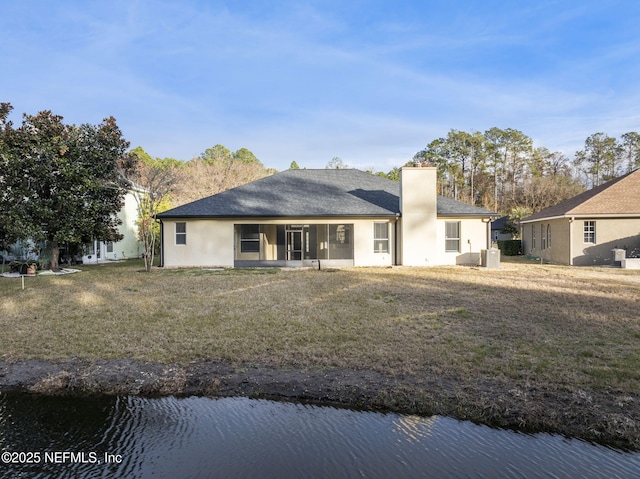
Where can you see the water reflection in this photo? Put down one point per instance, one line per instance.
(238, 437)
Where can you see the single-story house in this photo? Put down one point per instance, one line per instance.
(330, 217)
(584, 230)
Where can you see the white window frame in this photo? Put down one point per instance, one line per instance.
(181, 236)
(548, 236)
(589, 232)
(533, 237)
(380, 237)
(448, 239)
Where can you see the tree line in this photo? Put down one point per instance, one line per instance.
(500, 169)
(64, 184)
(215, 170)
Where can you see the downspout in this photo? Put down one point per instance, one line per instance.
(488, 234)
(161, 244)
(395, 241)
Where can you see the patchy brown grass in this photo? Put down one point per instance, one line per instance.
(548, 325)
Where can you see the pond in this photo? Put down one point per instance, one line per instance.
(198, 437)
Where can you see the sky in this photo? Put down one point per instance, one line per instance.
(371, 82)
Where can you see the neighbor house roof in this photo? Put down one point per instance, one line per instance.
(499, 223)
(312, 193)
(619, 197)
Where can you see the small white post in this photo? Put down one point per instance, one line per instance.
(22, 277)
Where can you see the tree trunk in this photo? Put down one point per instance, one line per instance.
(148, 261)
(54, 249)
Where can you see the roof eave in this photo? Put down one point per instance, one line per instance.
(266, 217)
(582, 215)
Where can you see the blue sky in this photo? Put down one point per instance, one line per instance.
(371, 82)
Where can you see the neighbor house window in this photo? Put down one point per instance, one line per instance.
(380, 237)
(181, 233)
(543, 237)
(249, 238)
(533, 237)
(590, 232)
(110, 247)
(548, 236)
(452, 236)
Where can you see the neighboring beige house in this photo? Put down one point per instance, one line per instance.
(584, 230)
(330, 217)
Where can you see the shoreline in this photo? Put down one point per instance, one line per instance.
(609, 418)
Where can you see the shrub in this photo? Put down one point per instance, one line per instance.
(510, 247)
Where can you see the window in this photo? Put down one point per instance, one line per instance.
(548, 236)
(380, 237)
(110, 247)
(452, 236)
(590, 232)
(249, 238)
(543, 237)
(181, 233)
(533, 237)
(340, 244)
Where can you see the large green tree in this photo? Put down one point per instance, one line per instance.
(66, 183)
(600, 159)
(631, 149)
(10, 226)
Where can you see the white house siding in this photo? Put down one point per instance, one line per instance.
(129, 246)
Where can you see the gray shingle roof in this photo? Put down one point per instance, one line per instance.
(312, 193)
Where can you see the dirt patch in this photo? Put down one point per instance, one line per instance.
(608, 418)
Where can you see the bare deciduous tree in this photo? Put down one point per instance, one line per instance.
(153, 183)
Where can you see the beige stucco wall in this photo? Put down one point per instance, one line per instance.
(211, 242)
(418, 206)
(363, 253)
(559, 250)
(610, 233)
(474, 236)
(567, 240)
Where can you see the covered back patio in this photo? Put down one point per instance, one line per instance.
(293, 245)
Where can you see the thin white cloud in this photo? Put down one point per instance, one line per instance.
(307, 81)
